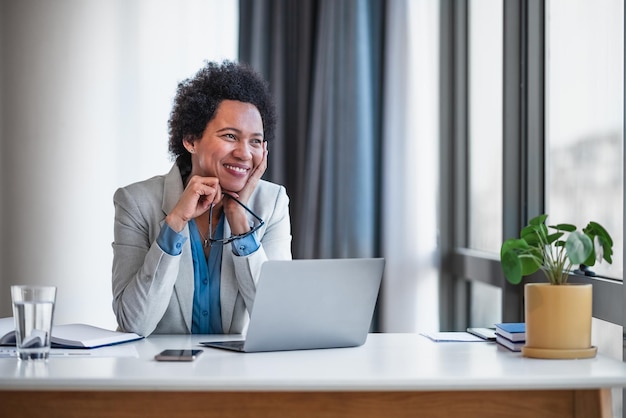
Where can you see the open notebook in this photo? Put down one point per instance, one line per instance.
(307, 304)
(71, 335)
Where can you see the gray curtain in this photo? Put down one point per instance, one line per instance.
(323, 60)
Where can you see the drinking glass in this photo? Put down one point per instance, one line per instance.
(33, 309)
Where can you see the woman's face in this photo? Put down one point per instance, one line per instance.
(231, 146)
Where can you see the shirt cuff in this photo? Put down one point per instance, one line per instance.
(245, 246)
(171, 241)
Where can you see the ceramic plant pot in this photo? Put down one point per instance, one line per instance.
(558, 321)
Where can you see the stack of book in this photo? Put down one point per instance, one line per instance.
(512, 335)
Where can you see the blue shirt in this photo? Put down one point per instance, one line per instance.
(206, 316)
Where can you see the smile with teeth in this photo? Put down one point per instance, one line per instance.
(238, 169)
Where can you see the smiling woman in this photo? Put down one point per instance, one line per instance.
(87, 88)
(166, 278)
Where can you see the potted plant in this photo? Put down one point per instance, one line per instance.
(557, 314)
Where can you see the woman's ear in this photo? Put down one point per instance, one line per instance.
(189, 144)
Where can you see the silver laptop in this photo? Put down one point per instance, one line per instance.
(309, 304)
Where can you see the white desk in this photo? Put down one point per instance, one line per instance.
(391, 375)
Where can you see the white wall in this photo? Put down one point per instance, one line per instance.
(86, 91)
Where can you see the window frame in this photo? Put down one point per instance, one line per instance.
(523, 163)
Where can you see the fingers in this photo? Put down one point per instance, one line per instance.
(260, 169)
(244, 194)
(206, 189)
(230, 194)
(198, 196)
(264, 160)
(198, 183)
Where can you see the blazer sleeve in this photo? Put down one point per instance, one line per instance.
(143, 274)
(275, 241)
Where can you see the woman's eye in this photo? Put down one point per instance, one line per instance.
(256, 142)
(230, 136)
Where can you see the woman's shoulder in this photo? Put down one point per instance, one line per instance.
(153, 186)
(144, 194)
(267, 189)
(268, 185)
(153, 183)
(270, 197)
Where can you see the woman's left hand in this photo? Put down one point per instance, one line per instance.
(235, 214)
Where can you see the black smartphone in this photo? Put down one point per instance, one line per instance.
(178, 355)
(488, 334)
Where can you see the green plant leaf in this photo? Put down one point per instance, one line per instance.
(528, 230)
(564, 227)
(511, 266)
(578, 247)
(591, 260)
(531, 238)
(534, 235)
(554, 237)
(538, 249)
(607, 249)
(531, 262)
(513, 244)
(538, 220)
(596, 231)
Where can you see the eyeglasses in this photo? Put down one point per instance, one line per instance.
(224, 241)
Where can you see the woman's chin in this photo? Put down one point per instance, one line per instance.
(231, 187)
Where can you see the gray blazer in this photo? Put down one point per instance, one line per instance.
(153, 291)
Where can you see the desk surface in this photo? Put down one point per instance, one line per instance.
(387, 362)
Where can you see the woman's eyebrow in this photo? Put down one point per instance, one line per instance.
(238, 131)
(228, 129)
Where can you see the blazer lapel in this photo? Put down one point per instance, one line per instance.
(172, 190)
(228, 285)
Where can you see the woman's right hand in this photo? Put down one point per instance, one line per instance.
(197, 198)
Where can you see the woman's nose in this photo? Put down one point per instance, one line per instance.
(243, 150)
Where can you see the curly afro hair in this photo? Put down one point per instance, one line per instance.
(198, 97)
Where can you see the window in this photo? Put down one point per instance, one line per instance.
(584, 117)
(485, 106)
(485, 125)
(559, 65)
